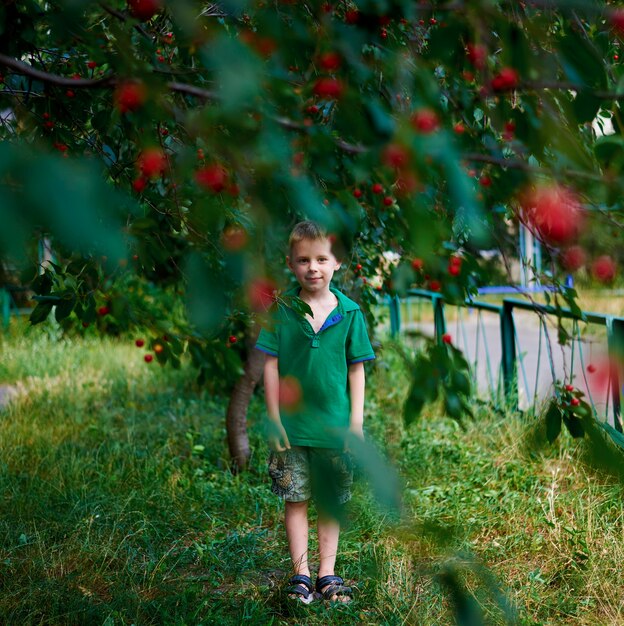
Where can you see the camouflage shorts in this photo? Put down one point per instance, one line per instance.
(302, 472)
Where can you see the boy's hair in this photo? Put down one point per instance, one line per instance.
(306, 230)
(315, 232)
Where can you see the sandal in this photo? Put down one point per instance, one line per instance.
(300, 589)
(332, 588)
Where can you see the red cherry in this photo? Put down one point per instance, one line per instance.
(604, 269)
(139, 184)
(459, 128)
(383, 33)
(569, 387)
(330, 61)
(617, 20)
(591, 368)
(232, 339)
(144, 9)
(148, 358)
(152, 162)
(446, 338)
(388, 201)
(352, 16)
(616, 57)
(454, 270)
(139, 343)
(261, 294)
(103, 310)
(69, 93)
(92, 65)
(485, 181)
(234, 238)
(212, 177)
(358, 267)
(406, 183)
(573, 258)
(328, 88)
(418, 264)
(575, 402)
(477, 54)
(357, 193)
(377, 188)
(312, 110)
(395, 155)
(554, 212)
(129, 96)
(425, 121)
(289, 393)
(506, 80)
(435, 285)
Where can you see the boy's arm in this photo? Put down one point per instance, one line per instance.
(357, 383)
(278, 439)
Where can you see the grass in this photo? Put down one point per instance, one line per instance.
(118, 508)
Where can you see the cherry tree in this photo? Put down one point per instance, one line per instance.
(168, 147)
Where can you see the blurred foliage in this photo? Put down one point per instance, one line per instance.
(172, 149)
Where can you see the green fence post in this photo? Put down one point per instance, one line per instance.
(394, 305)
(6, 307)
(508, 357)
(615, 340)
(439, 322)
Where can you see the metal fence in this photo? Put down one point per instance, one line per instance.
(514, 349)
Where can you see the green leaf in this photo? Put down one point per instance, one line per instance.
(298, 305)
(64, 308)
(574, 425)
(40, 312)
(414, 404)
(581, 61)
(609, 150)
(553, 422)
(586, 106)
(42, 285)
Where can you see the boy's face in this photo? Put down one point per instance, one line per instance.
(313, 264)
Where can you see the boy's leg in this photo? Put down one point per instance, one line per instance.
(328, 535)
(296, 522)
(332, 479)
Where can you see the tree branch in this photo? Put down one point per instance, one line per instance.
(526, 167)
(54, 79)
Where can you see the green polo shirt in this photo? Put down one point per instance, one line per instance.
(319, 364)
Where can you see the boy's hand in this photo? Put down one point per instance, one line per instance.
(278, 439)
(357, 430)
(354, 430)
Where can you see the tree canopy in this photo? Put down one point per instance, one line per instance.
(168, 147)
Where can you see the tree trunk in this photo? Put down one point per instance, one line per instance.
(236, 418)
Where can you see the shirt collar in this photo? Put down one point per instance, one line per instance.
(345, 304)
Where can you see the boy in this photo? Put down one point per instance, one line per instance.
(314, 388)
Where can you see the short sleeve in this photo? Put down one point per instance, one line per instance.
(358, 344)
(268, 341)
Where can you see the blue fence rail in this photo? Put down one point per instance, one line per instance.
(513, 376)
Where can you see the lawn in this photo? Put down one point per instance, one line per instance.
(118, 507)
